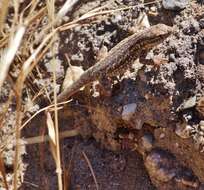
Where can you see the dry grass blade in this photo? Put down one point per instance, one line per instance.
(34, 5)
(31, 184)
(62, 12)
(67, 172)
(39, 14)
(10, 53)
(16, 12)
(51, 128)
(3, 173)
(26, 66)
(51, 133)
(97, 12)
(42, 138)
(3, 41)
(9, 56)
(52, 18)
(41, 110)
(66, 178)
(91, 169)
(66, 8)
(3, 12)
(17, 135)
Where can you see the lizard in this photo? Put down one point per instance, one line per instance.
(119, 58)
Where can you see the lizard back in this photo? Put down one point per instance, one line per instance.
(120, 57)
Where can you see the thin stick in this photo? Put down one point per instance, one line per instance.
(41, 110)
(95, 13)
(91, 169)
(42, 138)
(52, 16)
(17, 134)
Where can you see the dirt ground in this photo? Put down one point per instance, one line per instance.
(148, 134)
(121, 170)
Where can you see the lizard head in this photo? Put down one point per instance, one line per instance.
(155, 35)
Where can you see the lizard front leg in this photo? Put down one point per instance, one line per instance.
(105, 87)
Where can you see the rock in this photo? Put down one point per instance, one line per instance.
(163, 166)
(162, 135)
(172, 57)
(128, 111)
(183, 130)
(201, 124)
(193, 27)
(200, 105)
(160, 165)
(175, 4)
(189, 103)
(201, 23)
(187, 178)
(146, 142)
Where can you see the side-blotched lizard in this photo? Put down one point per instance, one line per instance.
(120, 57)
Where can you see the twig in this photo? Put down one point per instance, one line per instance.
(91, 169)
(95, 13)
(42, 138)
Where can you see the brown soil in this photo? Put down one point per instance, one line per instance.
(121, 170)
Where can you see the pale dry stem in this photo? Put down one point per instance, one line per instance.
(51, 14)
(91, 169)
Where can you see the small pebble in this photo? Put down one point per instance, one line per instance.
(172, 57)
(201, 124)
(192, 28)
(146, 142)
(176, 145)
(162, 135)
(131, 136)
(183, 131)
(189, 103)
(128, 111)
(160, 164)
(201, 23)
(187, 178)
(175, 4)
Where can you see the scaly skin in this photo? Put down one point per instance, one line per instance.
(120, 57)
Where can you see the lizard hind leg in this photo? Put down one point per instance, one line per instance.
(103, 87)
